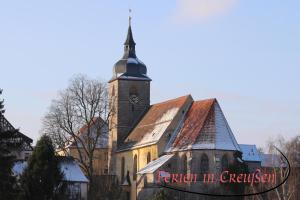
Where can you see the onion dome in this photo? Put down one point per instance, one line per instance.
(129, 66)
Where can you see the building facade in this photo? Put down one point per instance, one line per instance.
(101, 155)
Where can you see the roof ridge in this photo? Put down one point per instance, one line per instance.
(209, 99)
(174, 99)
(184, 96)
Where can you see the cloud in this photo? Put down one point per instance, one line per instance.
(195, 11)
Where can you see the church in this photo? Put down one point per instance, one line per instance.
(180, 135)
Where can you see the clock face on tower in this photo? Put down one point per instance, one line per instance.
(133, 98)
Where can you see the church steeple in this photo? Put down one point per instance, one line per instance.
(129, 66)
(129, 90)
(129, 44)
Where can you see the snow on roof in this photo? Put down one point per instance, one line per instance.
(205, 127)
(155, 164)
(155, 122)
(159, 127)
(272, 160)
(72, 171)
(68, 166)
(168, 147)
(225, 139)
(250, 153)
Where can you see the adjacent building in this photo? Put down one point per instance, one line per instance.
(251, 156)
(77, 183)
(98, 128)
(21, 144)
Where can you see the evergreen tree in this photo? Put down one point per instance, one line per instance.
(42, 178)
(1, 105)
(8, 186)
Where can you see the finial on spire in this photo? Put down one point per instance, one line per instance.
(130, 16)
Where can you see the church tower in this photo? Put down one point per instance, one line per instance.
(129, 91)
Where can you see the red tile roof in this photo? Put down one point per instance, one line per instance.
(194, 122)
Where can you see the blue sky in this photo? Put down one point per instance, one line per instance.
(244, 53)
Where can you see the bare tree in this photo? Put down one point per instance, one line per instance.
(85, 103)
(291, 148)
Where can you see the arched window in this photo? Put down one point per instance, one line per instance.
(122, 169)
(184, 164)
(134, 167)
(204, 164)
(224, 162)
(148, 157)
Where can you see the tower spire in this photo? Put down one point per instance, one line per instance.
(129, 45)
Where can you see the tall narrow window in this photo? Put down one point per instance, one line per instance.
(184, 164)
(122, 169)
(224, 162)
(204, 164)
(134, 167)
(148, 157)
